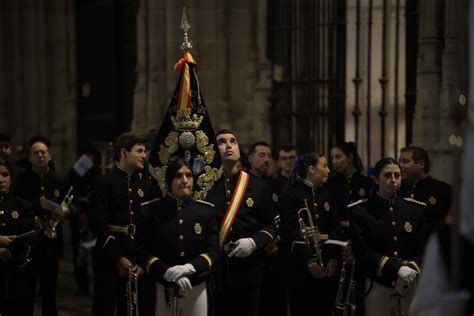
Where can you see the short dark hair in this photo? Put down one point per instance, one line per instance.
(253, 147)
(173, 168)
(382, 163)
(350, 148)
(304, 161)
(4, 138)
(39, 139)
(287, 148)
(127, 140)
(225, 131)
(419, 155)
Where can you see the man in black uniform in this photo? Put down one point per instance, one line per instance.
(260, 158)
(419, 185)
(273, 300)
(40, 181)
(115, 202)
(244, 215)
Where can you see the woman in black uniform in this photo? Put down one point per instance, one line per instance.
(387, 234)
(311, 278)
(347, 182)
(16, 278)
(178, 245)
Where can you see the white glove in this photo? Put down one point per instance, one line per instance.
(177, 272)
(407, 274)
(245, 247)
(184, 284)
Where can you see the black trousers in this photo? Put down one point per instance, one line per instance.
(18, 307)
(237, 302)
(46, 262)
(313, 296)
(274, 292)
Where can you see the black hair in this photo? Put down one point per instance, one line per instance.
(253, 147)
(173, 168)
(127, 141)
(225, 131)
(419, 155)
(382, 163)
(287, 148)
(39, 139)
(303, 162)
(350, 148)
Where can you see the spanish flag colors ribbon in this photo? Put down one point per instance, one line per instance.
(233, 208)
(183, 106)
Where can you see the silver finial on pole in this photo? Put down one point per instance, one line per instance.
(186, 45)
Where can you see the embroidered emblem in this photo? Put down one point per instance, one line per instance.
(327, 207)
(275, 197)
(15, 215)
(432, 200)
(140, 193)
(249, 202)
(197, 228)
(361, 192)
(56, 193)
(408, 227)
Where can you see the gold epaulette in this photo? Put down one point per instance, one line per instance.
(205, 203)
(356, 203)
(414, 201)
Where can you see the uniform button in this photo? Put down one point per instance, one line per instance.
(182, 254)
(390, 209)
(395, 238)
(179, 208)
(395, 253)
(412, 195)
(180, 222)
(350, 191)
(394, 223)
(129, 189)
(1, 213)
(42, 188)
(317, 215)
(3, 224)
(131, 201)
(228, 192)
(181, 237)
(131, 213)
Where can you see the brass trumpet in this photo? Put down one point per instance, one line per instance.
(345, 298)
(51, 224)
(132, 294)
(310, 233)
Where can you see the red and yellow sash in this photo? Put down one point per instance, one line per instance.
(233, 208)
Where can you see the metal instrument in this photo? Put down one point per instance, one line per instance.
(51, 223)
(132, 294)
(310, 233)
(345, 298)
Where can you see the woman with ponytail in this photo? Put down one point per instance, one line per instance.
(311, 284)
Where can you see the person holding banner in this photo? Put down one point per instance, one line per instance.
(244, 213)
(16, 277)
(177, 243)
